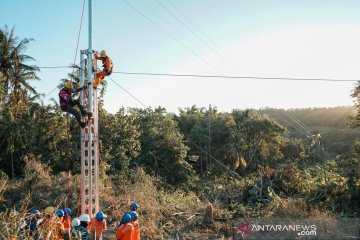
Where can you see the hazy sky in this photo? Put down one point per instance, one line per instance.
(263, 38)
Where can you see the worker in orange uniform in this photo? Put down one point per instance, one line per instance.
(98, 224)
(135, 223)
(46, 224)
(107, 68)
(58, 230)
(126, 229)
(67, 223)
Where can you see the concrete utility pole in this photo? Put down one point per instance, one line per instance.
(89, 134)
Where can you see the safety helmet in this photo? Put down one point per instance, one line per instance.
(126, 218)
(67, 211)
(68, 84)
(84, 218)
(134, 216)
(134, 206)
(103, 53)
(75, 222)
(100, 216)
(49, 210)
(35, 211)
(59, 213)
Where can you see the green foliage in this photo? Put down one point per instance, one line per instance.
(4, 181)
(120, 139)
(163, 150)
(261, 137)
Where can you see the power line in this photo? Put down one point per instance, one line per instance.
(129, 93)
(57, 67)
(77, 48)
(171, 35)
(49, 93)
(79, 33)
(177, 32)
(225, 76)
(238, 77)
(291, 124)
(299, 123)
(195, 34)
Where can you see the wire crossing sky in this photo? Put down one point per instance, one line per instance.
(171, 53)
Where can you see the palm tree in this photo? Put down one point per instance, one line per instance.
(14, 68)
(15, 91)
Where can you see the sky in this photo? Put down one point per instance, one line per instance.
(258, 38)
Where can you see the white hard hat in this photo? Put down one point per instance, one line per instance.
(84, 218)
(75, 222)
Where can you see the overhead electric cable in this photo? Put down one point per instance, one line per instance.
(129, 93)
(171, 35)
(77, 48)
(225, 76)
(299, 123)
(58, 67)
(196, 35)
(79, 33)
(291, 124)
(238, 77)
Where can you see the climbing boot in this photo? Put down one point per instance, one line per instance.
(84, 113)
(82, 124)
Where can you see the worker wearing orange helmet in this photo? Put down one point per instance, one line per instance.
(107, 68)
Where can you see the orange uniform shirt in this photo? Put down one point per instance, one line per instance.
(136, 235)
(67, 222)
(125, 232)
(58, 229)
(98, 226)
(106, 61)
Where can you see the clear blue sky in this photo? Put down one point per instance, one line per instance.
(265, 38)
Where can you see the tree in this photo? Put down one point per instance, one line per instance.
(163, 150)
(15, 94)
(261, 137)
(14, 68)
(119, 138)
(206, 135)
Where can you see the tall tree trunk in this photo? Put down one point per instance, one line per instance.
(12, 165)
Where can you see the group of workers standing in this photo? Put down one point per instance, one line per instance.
(59, 225)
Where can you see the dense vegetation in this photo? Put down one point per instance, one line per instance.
(268, 162)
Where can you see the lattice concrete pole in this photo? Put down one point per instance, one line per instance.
(92, 198)
(88, 199)
(84, 142)
(96, 148)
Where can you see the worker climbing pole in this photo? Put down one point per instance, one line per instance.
(89, 134)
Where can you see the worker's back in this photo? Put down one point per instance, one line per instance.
(125, 232)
